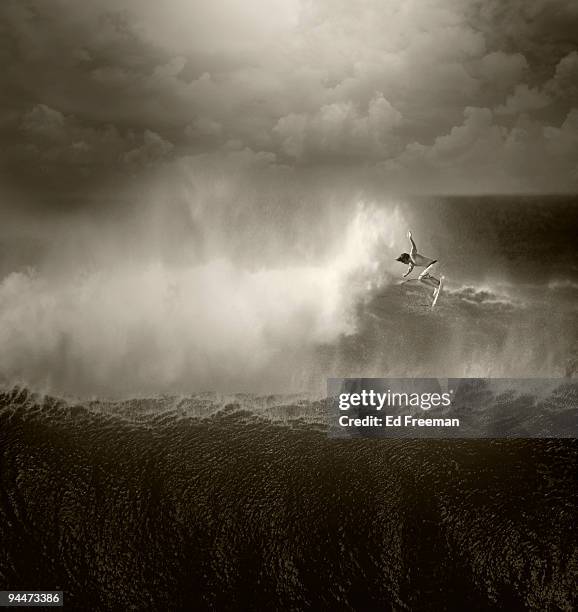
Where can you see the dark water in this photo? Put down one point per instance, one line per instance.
(245, 504)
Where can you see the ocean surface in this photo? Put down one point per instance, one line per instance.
(240, 502)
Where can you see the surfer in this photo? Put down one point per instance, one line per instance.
(413, 259)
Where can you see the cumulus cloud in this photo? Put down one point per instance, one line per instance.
(523, 100)
(376, 84)
(562, 145)
(340, 130)
(51, 135)
(564, 84)
(153, 148)
(482, 156)
(502, 70)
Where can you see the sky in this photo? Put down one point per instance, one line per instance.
(423, 96)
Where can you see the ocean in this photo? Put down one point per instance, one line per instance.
(215, 502)
(163, 420)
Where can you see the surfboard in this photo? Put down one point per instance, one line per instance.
(437, 293)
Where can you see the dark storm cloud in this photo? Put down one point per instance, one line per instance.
(435, 95)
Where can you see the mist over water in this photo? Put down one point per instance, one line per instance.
(213, 283)
(208, 319)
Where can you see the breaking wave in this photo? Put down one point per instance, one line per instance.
(214, 324)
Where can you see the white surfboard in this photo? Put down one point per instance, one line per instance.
(437, 293)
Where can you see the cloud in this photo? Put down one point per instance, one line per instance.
(51, 135)
(482, 156)
(452, 155)
(562, 145)
(339, 129)
(309, 83)
(153, 148)
(502, 70)
(524, 99)
(564, 84)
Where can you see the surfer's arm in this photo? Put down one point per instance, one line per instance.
(409, 269)
(413, 252)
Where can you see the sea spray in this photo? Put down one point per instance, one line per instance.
(211, 324)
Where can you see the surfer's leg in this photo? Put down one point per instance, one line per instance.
(426, 273)
(431, 281)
